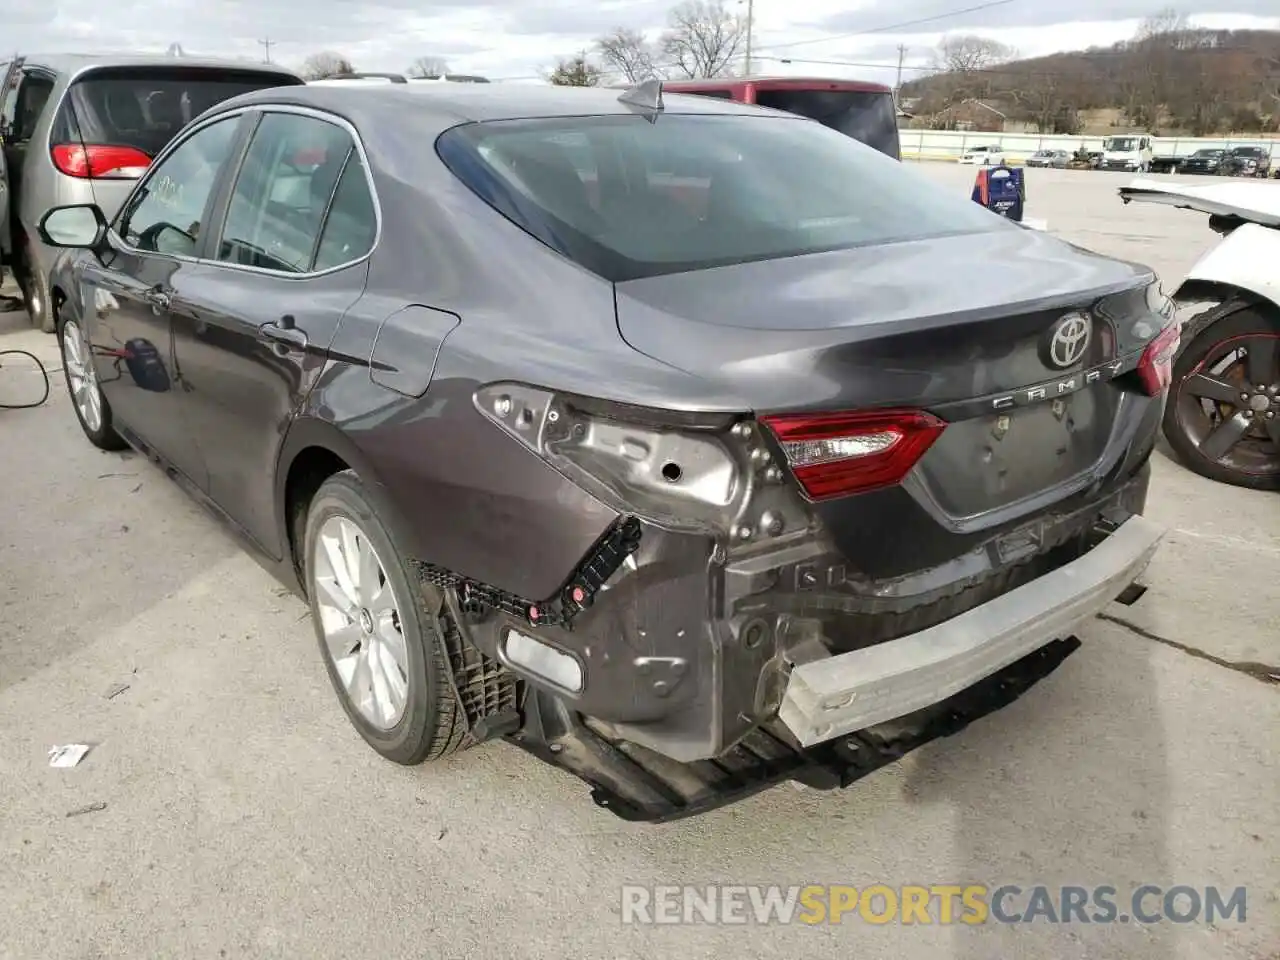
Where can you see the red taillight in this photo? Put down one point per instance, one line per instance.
(96, 161)
(1155, 369)
(836, 454)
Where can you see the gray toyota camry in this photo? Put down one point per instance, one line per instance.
(690, 446)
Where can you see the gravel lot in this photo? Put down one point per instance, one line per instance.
(244, 817)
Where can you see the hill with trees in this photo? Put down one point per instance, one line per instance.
(1169, 79)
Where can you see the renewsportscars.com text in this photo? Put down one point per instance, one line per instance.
(970, 904)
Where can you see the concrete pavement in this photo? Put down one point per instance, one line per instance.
(245, 818)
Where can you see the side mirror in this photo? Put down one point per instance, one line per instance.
(81, 226)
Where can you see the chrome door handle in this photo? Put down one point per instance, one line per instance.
(286, 336)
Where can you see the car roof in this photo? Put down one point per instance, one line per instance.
(473, 102)
(76, 62)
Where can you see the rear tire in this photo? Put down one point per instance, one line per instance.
(1197, 408)
(35, 294)
(382, 647)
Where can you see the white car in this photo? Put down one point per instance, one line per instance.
(983, 156)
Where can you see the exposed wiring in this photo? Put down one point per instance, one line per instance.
(43, 373)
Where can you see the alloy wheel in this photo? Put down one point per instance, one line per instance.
(360, 621)
(77, 360)
(1229, 406)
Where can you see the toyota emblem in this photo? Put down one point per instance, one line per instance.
(1067, 341)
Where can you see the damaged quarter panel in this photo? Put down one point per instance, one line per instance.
(471, 500)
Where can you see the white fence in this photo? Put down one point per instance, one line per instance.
(950, 144)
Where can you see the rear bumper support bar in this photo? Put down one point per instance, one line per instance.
(838, 695)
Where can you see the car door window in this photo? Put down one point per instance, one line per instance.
(164, 215)
(33, 94)
(352, 223)
(286, 183)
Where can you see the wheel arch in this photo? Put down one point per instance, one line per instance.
(1241, 266)
(314, 450)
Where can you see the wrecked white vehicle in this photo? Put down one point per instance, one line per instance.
(1223, 413)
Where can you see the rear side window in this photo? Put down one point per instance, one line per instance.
(145, 108)
(690, 192)
(294, 169)
(352, 223)
(868, 116)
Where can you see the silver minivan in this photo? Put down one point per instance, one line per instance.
(82, 129)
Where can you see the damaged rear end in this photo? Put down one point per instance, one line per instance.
(928, 483)
(809, 589)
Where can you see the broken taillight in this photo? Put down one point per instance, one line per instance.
(837, 454)
(1155, 369)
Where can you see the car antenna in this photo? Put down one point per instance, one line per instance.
(646, 95)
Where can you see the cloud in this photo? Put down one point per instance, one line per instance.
(521, 38)
(1015, 14)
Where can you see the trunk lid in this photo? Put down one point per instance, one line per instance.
(1256, 202)
(957, 326)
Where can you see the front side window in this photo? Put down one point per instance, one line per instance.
(289, 176)
(690, 192)
(164, 215)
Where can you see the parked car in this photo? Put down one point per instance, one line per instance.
(1166, 163)
(862, 110)
(1049, 158)
(1207, 160)
(1223, 415)
(80, 129)
(983, 156)
(1246, 162)
(665, 436)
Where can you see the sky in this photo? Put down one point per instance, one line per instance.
(521, 39)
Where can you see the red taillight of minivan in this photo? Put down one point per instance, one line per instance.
(99, 161)
(838, 454)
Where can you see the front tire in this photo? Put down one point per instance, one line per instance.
(382, 647)
(91, 407)
(1222, 417)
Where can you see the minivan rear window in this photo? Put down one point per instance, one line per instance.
(626, 198)
(144, 108)
(868, 116)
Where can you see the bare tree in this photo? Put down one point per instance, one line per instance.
(575, 72)
(966, 53)
(703, 38)
(1149, 85)
(326, 63)
(428, 67)
(629, 53)
(1167, 26)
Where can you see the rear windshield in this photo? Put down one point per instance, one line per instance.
(716, 94)
(145, 109)
(626, 198)
(866, 116)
